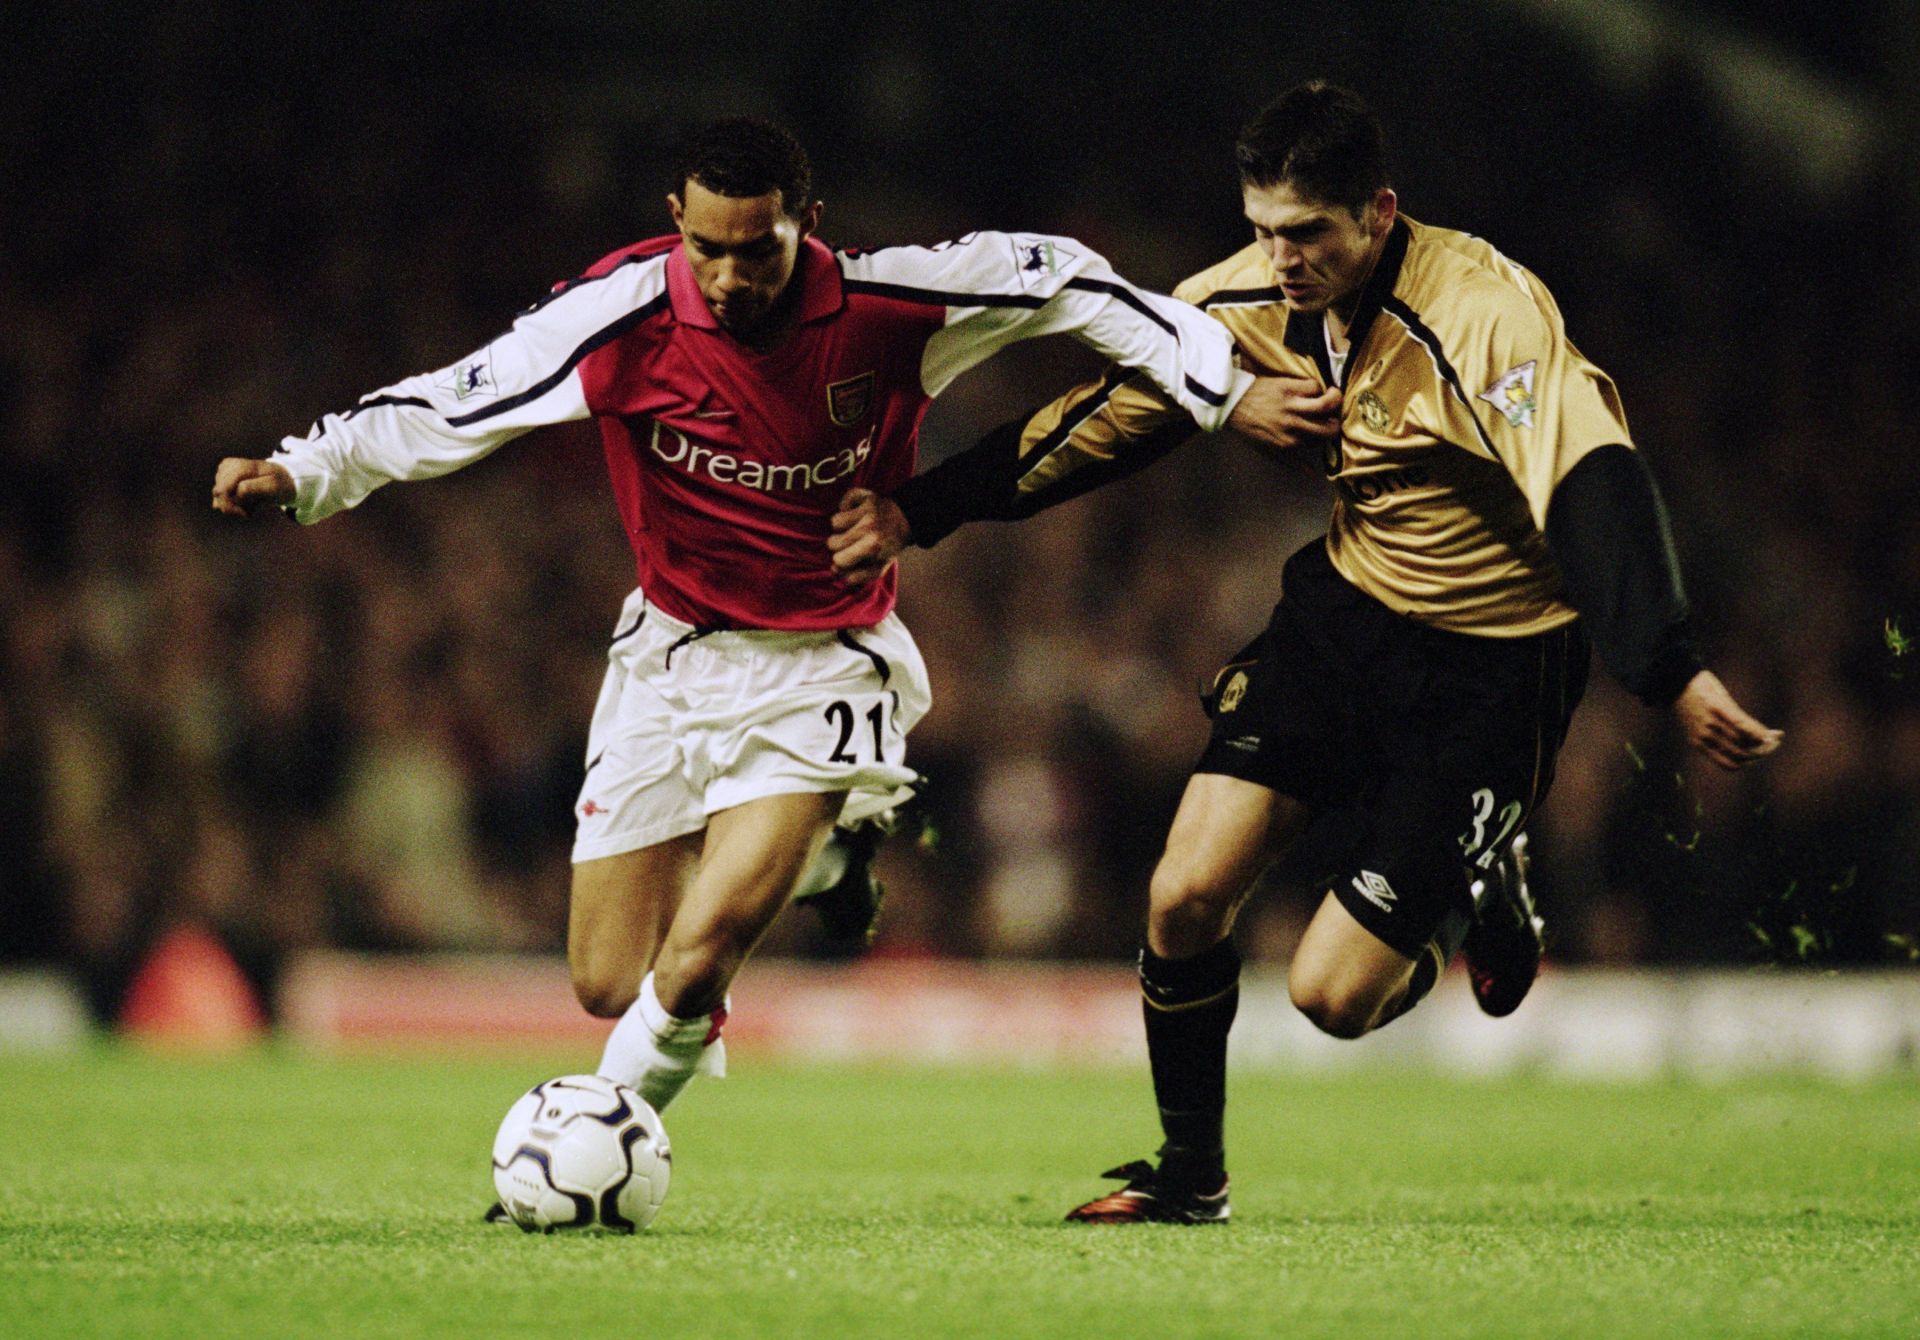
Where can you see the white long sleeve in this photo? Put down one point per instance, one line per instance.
(1002, 287)
(432, 424)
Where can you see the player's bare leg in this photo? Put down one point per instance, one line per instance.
(1349, 981)
(754, 856)
(617, 918)
(751, 859)
(1344, 978)
(1225, 833)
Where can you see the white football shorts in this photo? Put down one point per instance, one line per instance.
(690, 723)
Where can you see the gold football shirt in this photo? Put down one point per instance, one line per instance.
(1463, 404)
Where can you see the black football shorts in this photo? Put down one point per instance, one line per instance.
(1438, 745)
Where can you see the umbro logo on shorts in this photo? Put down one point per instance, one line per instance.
(1375, 889)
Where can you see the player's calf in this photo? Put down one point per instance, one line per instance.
(1189, 1006)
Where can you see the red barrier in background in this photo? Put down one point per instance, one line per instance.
(1593, 1023)
(928, 1009)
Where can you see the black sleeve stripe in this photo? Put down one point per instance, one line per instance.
(948, 298)
(1130, 298)
(1141, 452)
(374, 402)
(1420, 331)
(1242, 297)
(933, 297)
(1139, 304)
(1071, 421)
(1032, 302)
(1207, 394)
(604, 336)
(565, 287)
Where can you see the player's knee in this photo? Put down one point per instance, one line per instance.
(602, 990)
(1341, 1012)
(1184, 903)
(603, 999)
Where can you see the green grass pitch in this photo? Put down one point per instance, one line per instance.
(289, 1195)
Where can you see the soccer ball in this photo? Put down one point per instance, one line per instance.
(581, 1152)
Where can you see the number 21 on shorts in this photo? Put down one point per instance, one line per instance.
(855, 729)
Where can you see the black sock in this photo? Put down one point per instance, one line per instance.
(1189, 1005)
(1433, 960)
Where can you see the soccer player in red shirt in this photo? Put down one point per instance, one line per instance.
(744, 376)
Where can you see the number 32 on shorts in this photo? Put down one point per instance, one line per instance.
(840, 714)
(1476, 846)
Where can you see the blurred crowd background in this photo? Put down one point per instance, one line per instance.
(222, 220)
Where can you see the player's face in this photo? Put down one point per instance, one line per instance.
(742, 250)
(1321, 252)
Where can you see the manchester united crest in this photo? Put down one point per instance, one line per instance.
(1373, 412)
(1233, 691)
(849, 401)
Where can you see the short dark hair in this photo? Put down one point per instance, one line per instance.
(1320, 138)
(744, 156)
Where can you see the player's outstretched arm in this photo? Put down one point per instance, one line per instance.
(1719, 727)
(241, 485)
(1608, 531)
(432, 424)
(998, 288)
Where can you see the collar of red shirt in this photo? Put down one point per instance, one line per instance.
(817, 273)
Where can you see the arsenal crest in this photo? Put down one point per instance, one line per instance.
(849, 401)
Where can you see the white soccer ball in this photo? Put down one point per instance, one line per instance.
(581, 1152)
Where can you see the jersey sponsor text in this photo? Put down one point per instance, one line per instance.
(725, 467)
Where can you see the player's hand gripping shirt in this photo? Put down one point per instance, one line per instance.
(1464, 407)
(727, 462)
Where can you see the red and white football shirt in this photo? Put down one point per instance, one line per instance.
(727, 463)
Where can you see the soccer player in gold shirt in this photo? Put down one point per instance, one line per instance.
(1490, 515)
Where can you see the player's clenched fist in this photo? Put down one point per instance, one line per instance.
(241, 484)
(869, 532)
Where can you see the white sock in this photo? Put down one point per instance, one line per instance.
(656, 1054)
